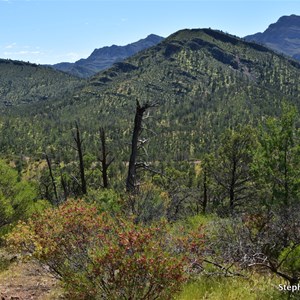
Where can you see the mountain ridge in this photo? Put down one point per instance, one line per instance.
(203, 81)
(23, 82)
(105, 57)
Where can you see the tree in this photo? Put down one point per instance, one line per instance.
(232, 167)
(78, 147)
(131, 181)
(277, 160)
(17, 198)
(205, 181)
(105, 163)
(52, 178)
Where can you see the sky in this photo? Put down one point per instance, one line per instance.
(53, 31)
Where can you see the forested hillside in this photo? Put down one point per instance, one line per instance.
(202, 81)
(23, 83)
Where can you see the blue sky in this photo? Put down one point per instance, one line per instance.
(51, 31)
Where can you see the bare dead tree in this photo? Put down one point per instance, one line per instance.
(205, 188)
(78, 147)
(46, 191)
(132, 168)
(64, 185)
(259, 241)
(52, 177)
(105, 163)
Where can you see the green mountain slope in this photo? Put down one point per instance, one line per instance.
(22, 82)
(193, 65)
(203, 80)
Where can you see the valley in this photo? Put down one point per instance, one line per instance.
(171, 174)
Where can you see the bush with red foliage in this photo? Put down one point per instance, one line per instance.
(97, 256)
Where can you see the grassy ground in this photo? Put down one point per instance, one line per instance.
(256, 287)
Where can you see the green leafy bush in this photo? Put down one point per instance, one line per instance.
(105, 199)
(150, 204)
(17, 198)
(290, 261)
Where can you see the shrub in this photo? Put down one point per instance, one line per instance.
(150, 204)
(98, 257)
(290, 262)
(106, 200)
(17, 198)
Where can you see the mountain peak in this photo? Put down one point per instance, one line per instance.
(282, 36)
(292, 19)
(105, 57)
(154, 38)
(285, 23)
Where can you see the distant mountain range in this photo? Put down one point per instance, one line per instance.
(282, 36)
(105, 57)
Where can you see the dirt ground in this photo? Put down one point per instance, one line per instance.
(28, 281)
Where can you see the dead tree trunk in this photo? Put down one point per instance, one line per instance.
(131, 177)
(64, 186)
(205, 198)
(104, 161)
(78, 141)
(52, 178)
